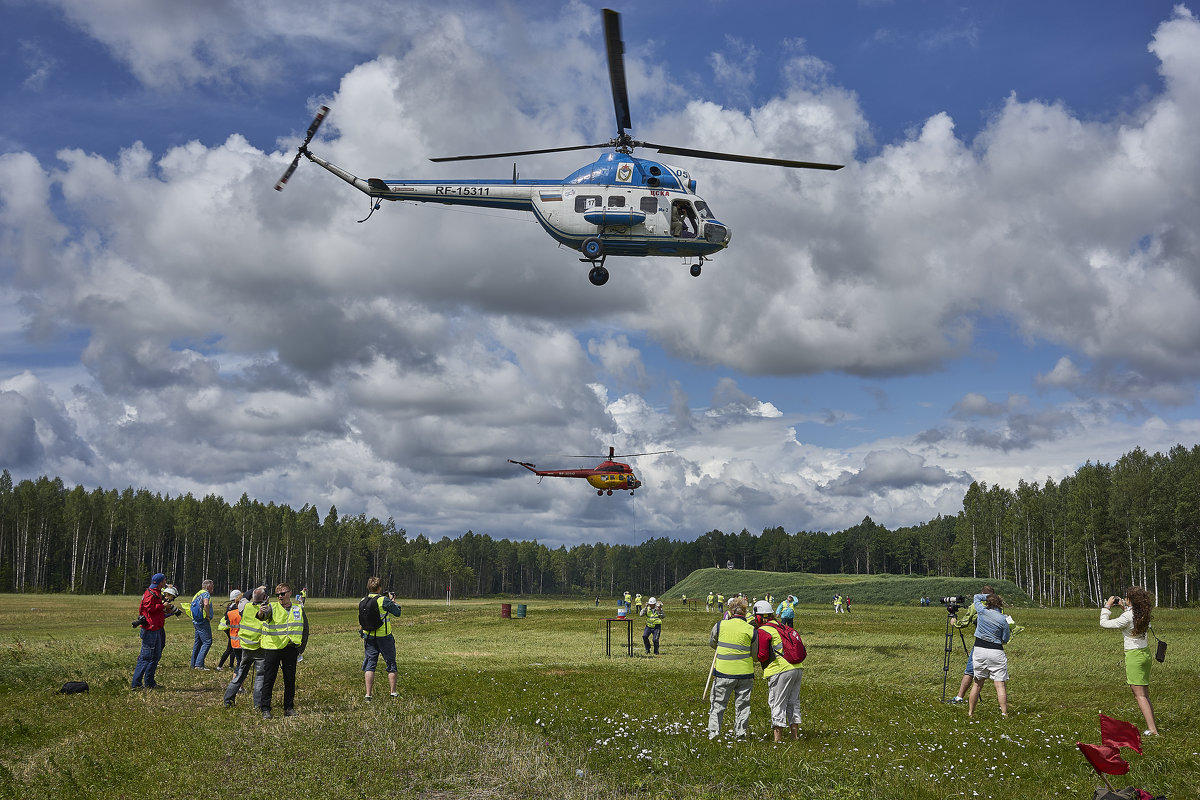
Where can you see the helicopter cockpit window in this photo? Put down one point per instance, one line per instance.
(585, 202)
(616, 201)
(650, 205)
(702, 210)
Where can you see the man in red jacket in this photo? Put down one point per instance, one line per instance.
(151, 617)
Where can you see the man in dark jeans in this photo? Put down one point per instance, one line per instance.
(250, 633)
(284, 637)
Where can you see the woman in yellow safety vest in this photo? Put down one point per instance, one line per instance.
(783, 677)
(249, 639)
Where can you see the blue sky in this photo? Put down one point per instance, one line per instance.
(1000, 285)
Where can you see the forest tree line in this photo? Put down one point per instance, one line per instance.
(1073, 542)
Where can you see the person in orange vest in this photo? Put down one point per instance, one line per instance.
(230, 623)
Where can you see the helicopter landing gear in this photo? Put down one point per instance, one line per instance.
(695, 270)
(599, 493)
(593, 253)
(592, 249)
(610, 492)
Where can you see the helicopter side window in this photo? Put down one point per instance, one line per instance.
(616, 201)
(703, 210)
(585, 202)
(650, 205)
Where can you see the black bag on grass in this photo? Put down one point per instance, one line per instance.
(73, 687)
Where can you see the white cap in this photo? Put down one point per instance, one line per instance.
(653, 600)
(763, 607)
(235, 594)
(171, 590)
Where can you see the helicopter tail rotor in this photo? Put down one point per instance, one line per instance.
(303, 149)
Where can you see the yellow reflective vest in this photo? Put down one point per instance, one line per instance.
(735, 649)
(283, 626)
(250, 628)
(386, 628)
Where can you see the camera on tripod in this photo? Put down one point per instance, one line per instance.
(953, 603)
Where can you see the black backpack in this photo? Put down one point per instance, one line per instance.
(73, 687)
(369, 618)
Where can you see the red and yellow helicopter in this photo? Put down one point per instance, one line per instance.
(619, 205)
(606, 477)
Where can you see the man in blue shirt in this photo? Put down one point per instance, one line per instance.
(991, 633)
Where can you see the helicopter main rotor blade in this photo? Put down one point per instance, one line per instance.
(710, 154)
(308, 137)
(624, 455)
(616, 69)
(523, 152)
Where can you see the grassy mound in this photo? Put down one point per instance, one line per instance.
(810, 588)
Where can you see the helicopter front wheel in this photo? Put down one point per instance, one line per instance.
(592, 248)
(695, 270)
(610, 492)
(599, 493)
(598, 276)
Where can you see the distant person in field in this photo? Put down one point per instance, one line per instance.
(231, 620)
(628, 599)
(1133, 622)
(990, 661)
(966, 621)
(637, 602)
(250, 638)
(736, 642)
(786, 613)
(202, 614)
(303, 595)
(654, 620)
(379, 641)
(708, 604)
(783, 677)
(152, 615)
(720, 603)
(846, 602)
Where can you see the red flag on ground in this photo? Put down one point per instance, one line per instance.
(1117, 733)
(1104, 758)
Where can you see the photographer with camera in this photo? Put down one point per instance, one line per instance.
(152, 615)
(1133, 623)
(988, 657)
(968, 620)
(374, 611)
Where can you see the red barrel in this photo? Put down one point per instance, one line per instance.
(506, 611)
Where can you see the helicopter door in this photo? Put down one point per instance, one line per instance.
(684, 224)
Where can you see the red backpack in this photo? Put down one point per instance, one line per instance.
(793, 645)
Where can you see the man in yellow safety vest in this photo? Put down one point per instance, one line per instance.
(736, 643)
(284, 637)
(250, 634)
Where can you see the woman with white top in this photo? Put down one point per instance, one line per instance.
(1134, 623)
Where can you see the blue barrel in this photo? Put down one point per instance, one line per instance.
(520, 611)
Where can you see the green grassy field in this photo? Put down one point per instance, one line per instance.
(532, 708)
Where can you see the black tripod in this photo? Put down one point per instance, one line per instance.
(951, 615)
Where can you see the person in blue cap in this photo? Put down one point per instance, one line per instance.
(152, 615)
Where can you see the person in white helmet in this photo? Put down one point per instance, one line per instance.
(653, 629)
(783, 677)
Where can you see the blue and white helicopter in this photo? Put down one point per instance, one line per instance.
(619, 205)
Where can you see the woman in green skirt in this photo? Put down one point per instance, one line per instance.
(1134, 622)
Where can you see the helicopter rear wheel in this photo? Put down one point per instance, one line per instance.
(599, 493)
(610, 492)
(598, 276)
(592, 248)
(695, 270)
